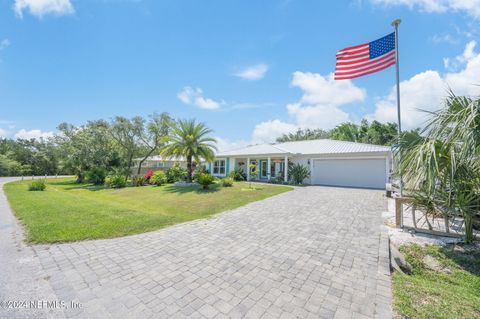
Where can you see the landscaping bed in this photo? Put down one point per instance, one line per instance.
(444, 283)
(67, 211)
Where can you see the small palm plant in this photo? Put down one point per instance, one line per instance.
(190, 140)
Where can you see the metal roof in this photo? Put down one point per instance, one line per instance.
(162, 158)
(323, 146)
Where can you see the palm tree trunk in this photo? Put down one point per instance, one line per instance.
(468, 218)
(189, 168)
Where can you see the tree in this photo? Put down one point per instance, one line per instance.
(87, 146)
(154, 135)
(35, 156)
(304, 134)
(190, 139)
(365, 132)
(442, 168)
(346, 132)
(127, 135)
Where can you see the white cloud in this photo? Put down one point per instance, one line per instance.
(318, 107)
(253, 73)
(318, 89)
(267, 132)
(3, 133)
(36, 134)
(194, 96)
(39, 8)
(5, 43)
(426, 91)
(471, 7)
(460, 60)
(445, 38)
(224, 144)
(317, 116)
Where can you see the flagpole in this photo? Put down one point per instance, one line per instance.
(395, 24)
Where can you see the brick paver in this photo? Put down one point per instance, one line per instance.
(315, 252)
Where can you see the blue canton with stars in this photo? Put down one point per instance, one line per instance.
(382, 46)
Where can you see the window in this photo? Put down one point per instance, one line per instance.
(219, 167)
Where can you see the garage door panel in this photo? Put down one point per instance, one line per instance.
(369, 173)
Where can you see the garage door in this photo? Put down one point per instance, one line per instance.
(370, 173)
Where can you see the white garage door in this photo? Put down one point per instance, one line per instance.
(370, 173)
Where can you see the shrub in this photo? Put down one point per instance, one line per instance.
(138, 181)
(205, 179)
(96, 175)
(227, 182)
(298, 173)
(148, 175)
(200, 170)
(116, 181)
(238, 174)
(176, 173)
(37, 185)
(158, 178)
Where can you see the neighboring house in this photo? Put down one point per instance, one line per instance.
(335, 163)
(156, 163)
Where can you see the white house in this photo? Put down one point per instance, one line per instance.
(335, 163)
(156, 163)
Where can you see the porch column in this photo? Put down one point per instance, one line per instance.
(248, 169)
(269, 168)
(285, 168)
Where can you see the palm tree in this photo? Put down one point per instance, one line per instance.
(442, 168)
(190, 140)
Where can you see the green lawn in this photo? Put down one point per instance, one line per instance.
(67, 211)
(435, 294)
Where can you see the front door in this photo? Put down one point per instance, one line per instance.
(263, 169)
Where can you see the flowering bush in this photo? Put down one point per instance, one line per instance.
(148, 175)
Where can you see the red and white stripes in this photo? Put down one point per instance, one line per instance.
(355, 61)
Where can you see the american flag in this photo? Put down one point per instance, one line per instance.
(366, 58)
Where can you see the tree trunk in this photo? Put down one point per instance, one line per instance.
(428, 222)
(468, 228)
(143, 160)
(130, 160)
(80, 178)
(189, 168)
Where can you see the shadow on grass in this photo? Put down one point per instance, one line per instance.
(172, 189)
(72, 185)
(467, 257)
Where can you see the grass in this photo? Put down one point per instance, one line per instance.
(67, 211)
(434, 294)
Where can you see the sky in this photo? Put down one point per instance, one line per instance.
(251, 70)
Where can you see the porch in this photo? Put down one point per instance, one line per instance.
(265, 168)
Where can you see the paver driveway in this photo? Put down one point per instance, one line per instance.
(315, 252)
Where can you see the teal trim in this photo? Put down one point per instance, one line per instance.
(210, 168)
(262, 171)
(227, 166)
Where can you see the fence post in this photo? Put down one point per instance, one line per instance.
(398, 212)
